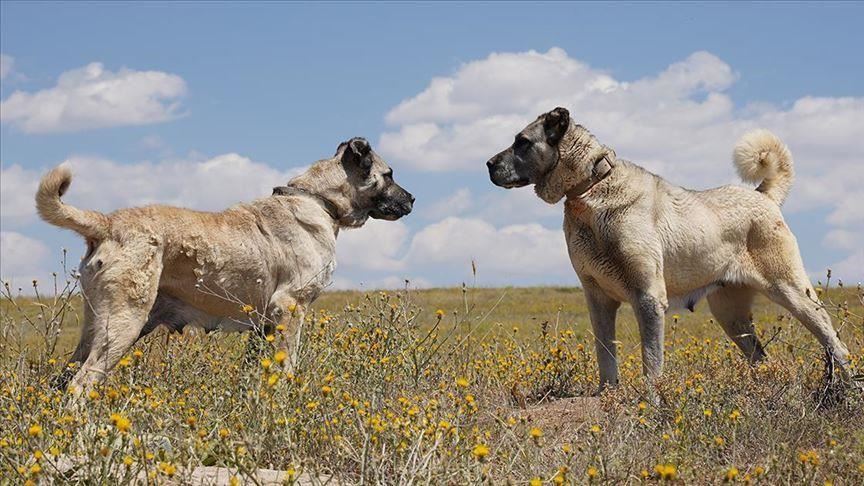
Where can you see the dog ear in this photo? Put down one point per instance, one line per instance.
(357, 152)
(555, 124)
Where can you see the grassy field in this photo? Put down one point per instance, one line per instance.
(441, 386)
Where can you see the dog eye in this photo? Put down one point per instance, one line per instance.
(388, 175)
(521, 143)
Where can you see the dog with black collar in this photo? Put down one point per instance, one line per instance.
(261, 262)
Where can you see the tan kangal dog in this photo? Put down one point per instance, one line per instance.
(634, 237)
(164, 265)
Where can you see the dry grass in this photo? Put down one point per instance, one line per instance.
(497, 388)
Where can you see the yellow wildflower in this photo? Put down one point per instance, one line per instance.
(480, 452)
(122, 423)
(666, 472)
(167, 469)
(731, 474)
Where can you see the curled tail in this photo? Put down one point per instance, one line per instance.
(762, 158)
(90, 224)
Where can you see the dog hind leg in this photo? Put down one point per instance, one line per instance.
(814, 317)
(121, 289)
(731, 307)
(82, 351)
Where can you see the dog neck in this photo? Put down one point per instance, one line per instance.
(329, 207)
(601, 170)
(583, 162)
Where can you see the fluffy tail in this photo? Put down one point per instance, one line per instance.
(761, 157)
(90, 224)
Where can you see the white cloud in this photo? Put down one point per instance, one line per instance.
(452, 205)
(376, 246)
(105, 185)
(22, 259)
(844, 239)
(680, 123)
(17, 192)
(392, 282)
(93, 97)
(7, 64)
(442, 254)
(850, 269)
(514, 250)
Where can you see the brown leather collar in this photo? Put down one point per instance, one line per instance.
(601, 170)
(327, 204)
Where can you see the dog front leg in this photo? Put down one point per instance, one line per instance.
(257, 340)
(288, 314)
(650, 307)
(603, 312)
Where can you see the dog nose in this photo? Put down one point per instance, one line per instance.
(412, 198)
(490, 163)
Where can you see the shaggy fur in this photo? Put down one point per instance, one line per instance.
(636, 238)
(157, 265)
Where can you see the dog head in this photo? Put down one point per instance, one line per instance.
(376, 194)
(533, 154)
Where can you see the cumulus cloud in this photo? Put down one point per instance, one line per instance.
(850, 267)
(442, 253)
(844, 239)
(94, 97)
(7, 63)
(105, 185)
(391, 282)
(375, 247)
(452, 205)
(681, 123)
(22, 259)
(523, 249)
(17, 190)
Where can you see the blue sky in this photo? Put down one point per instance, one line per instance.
(259, 90)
